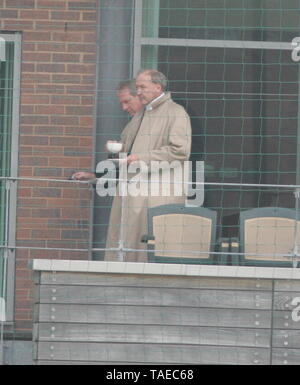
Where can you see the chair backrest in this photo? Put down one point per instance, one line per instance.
(269, 235)
(184, 233)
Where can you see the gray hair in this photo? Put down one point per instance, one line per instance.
(157, 77)
(128, 84)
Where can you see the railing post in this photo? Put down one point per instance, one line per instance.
(295, 250)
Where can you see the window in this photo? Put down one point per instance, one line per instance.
(9, 122)
(229, 64)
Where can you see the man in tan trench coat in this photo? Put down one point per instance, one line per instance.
(161, 132)
(129, 102)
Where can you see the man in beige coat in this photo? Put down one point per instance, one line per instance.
(161, 132)
(129, 102)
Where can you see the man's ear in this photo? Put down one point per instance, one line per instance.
(159, 88)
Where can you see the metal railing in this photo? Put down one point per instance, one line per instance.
(54, 218)
(79, 197)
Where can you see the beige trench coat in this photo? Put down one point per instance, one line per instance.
(161, 134)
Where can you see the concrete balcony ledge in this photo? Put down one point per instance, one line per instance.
(165, 269)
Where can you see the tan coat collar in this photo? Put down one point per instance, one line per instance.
(159, 101)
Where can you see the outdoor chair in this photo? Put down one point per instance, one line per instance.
(179, 234)
(269, 236)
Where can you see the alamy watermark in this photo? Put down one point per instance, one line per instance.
(296, 311)
(296, 49)
(159, 178)
(296, 58)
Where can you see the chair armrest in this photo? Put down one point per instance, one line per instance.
(223, 246)
(146, 238)
(235, 248)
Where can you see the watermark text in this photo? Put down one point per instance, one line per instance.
(159, 178)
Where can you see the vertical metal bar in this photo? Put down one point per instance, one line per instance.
(4, 279)
(298, 134)
(296, 229)
(123, 183)
(138, 20)
(12, 202)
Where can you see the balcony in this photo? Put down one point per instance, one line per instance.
(226, 310)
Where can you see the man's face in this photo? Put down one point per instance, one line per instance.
(129, 103)
(146, 89)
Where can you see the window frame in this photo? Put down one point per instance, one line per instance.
(140, 41)
(11, 186)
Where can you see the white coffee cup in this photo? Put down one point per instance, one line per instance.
(114, 147)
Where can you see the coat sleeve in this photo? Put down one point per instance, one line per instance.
(178, 144)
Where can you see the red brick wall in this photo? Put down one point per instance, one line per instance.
(58, 73)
